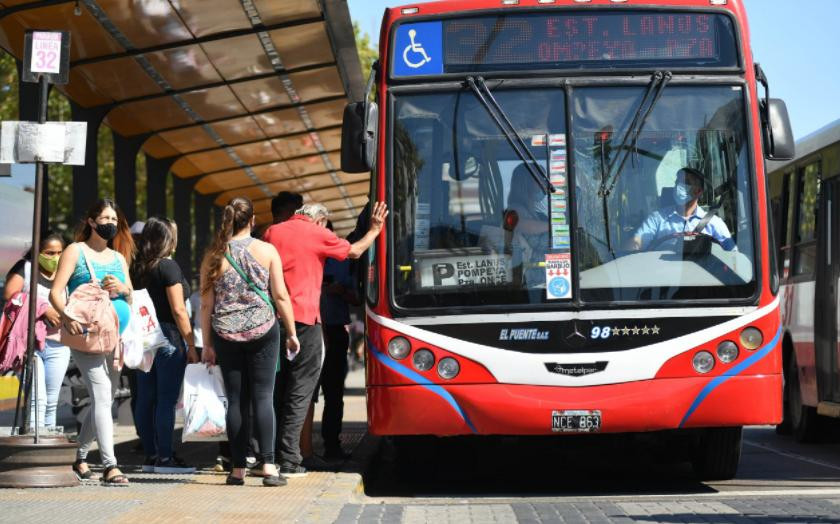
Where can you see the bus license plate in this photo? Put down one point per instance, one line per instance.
(576, 421)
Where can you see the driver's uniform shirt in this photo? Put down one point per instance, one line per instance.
(668, 222)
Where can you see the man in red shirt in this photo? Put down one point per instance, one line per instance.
(304, 244)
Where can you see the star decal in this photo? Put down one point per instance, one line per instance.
(625, 331)
(655, 330)
(636, 330)
(645, 330)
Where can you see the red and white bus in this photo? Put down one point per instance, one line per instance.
(805, 195)
(578, 238)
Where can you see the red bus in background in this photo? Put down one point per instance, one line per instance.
(804, 194)
(537, 275)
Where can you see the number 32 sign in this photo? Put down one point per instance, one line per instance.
(46, 53)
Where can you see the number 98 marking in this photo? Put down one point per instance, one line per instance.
(600, 332)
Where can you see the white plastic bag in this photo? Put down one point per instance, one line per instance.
(134, 355)
(205, 404)
(144, 316)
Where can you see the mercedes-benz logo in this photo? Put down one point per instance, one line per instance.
(576, 338)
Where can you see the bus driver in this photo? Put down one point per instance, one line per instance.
(683, 217)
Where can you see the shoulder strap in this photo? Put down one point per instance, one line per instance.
(88, 262)
(710, 214)
(250, 283)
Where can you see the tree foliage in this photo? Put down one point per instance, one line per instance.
(368, 51)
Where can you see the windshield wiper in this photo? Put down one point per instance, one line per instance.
(657, 84)
(513, 138)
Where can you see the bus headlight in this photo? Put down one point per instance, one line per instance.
(751, 338)
(423, 359)
(398, 348)
(448, 368)
(703, 362)
(727, 351)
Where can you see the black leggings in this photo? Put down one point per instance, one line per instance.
(248, 372)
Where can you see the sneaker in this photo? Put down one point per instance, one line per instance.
(149, 464)
(172, 466)
(252, 462)
(290, 471)
(255, 469)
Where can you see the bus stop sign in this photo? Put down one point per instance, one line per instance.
(46, 53)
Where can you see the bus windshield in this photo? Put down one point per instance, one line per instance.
(473, 226)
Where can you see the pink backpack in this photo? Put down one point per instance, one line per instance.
(90, 305)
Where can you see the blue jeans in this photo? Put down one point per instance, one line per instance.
(52, 365)
(157, 394)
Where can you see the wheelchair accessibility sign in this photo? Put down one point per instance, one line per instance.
(418, 49)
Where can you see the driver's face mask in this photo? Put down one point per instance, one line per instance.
(683, 193)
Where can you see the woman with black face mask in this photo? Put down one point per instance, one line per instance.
(104, 240)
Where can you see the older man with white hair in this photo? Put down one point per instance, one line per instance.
(304, 244)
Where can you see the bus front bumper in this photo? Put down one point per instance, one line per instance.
(507, 409)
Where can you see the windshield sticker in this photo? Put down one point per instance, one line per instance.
(479, 270)
(559, 204)
(557, 140)
(558, 276)
(418, 49)
(421, 226)
(537, 140)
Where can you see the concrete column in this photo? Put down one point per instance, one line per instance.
(125, 173)
(28, 112)
(157, 169)
(183, 188)
(86, 177)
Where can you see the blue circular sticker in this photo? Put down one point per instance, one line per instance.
(558, 286)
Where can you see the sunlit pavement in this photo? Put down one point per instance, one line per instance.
(577, 479)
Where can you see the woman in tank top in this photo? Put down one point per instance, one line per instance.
(104, 240)
(240, 331)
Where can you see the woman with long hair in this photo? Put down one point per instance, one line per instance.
(240, 331)
(104, 240)
(157, 390)
(53, 360)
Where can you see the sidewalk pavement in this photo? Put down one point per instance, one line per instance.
(203, 496)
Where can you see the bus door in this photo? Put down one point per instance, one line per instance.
(826, 297)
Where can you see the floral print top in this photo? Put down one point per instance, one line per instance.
(239, 314)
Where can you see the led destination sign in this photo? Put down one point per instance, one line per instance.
(554, 39)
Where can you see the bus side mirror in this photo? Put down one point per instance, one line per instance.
(358, 136)
(778, 136)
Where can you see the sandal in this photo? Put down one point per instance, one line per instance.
(77, 469)
(118, 479)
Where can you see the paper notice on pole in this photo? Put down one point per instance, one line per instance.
(558, 276)
(52, 142)
(46, 52)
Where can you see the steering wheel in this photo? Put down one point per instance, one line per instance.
(656, 241)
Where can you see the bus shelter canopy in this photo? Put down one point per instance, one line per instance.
(245, 95)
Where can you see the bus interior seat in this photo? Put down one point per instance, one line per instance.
(666, 197)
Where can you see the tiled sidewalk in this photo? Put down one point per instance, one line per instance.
(203, 497)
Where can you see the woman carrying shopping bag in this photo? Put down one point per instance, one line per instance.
(100, 257)
(53, 359)
(240, 331)
(157, 391)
